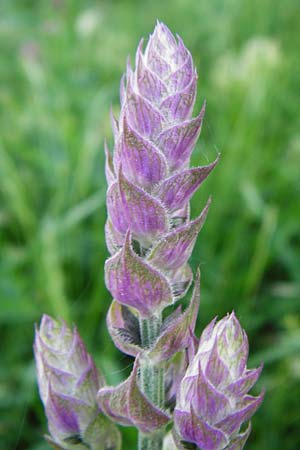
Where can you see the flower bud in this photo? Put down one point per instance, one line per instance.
(213, 400)
(68, 383)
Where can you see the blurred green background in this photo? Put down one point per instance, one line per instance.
(60, 65)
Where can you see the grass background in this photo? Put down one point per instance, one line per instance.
(60, 65)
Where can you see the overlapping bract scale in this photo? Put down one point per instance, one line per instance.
(135, 283)
(213, 400)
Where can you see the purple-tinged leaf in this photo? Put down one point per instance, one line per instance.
(142, 115)
(209, 401)
(179, 106)
(242, 355)
(216, 370)
(179, 79)
(127, 405)
(163, 40)
(245, 383)
(61, 380)
(142, 162)
(133, 282)
(87, 385)
(157, 65)
(192, 428)
(206, 436)
(62, 412)
(182, 51)
(154, 59)
(231, 424)
(174, 250)
(146, 217)
(149, 85)
(233, 344)
(175, 191)
(178, 140)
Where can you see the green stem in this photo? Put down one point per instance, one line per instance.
(152, 442)
(151, 381)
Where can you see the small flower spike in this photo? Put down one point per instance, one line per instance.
(68, 384)
(213, 400)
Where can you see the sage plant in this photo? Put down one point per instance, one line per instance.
(193, 394)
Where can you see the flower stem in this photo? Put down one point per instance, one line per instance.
(151, 381)
(150, 442)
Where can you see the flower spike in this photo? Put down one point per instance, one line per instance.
(213, 400)
(68, 383)
(150, 182)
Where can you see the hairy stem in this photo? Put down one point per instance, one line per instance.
(151, 380)
(152, 442)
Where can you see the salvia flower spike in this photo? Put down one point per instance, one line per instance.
(149, 232)
(213, 400)
(68, 383)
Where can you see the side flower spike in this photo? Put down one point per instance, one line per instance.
(68, 384)
(213, 400)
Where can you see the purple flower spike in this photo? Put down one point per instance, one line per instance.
(68, 383)
(149, 178)
(213, 400)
